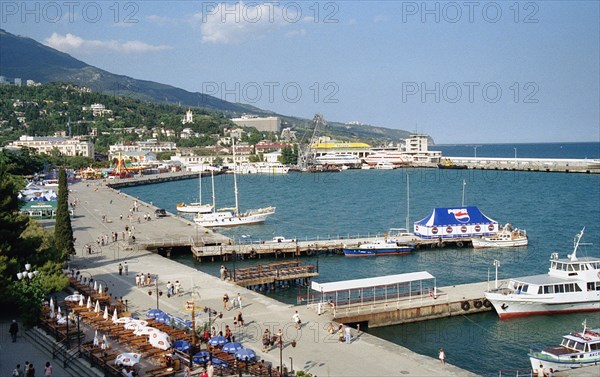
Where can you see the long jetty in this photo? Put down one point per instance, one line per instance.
(550, 165)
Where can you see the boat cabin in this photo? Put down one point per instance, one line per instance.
(586, 342)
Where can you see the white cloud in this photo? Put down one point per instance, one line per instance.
(72, 43)
(296, 33)
(228, 23)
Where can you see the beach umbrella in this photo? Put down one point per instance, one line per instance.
(81, 301)
(219, 362)
(104, 342)
(146, 330)
(201, 357)
(95, 285)
(160, 340)
(163, 318)
(51, 304)
(217, 341)
(89, 302)
(182, 345)
(232, 347)
(105, 315)
(245, 354)
(115, 316)
(153, 313)
(97, 307)
(123, 320)
(100, 288)
(128, 358)
(58, 311)
(96, 341)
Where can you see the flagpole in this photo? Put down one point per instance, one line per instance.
(463, 193)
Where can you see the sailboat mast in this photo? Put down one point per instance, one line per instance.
(200, 187)
(212, 178)
(407, 202)
(235, 187)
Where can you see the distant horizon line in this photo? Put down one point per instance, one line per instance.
(519, 143)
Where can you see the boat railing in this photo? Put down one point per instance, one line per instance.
(515, 373)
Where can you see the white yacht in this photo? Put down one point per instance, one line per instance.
(571, 285)
(332, 158)
(387, 157)
(196, 207)
(507, 237)
(575, 351)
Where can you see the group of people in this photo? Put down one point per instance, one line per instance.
(29, 370)
(142, 280)
(542, 372)
(123, 268)
(269, 341)
(224, 273)
(236, 302)
(173, 289)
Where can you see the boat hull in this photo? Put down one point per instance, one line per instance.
(229, 219)
(193, 208)
(561, 364)
(481, 243)
(508, 306)
(358, 252)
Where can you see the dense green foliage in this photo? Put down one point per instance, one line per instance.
(63, 232)
(289, 156)
(25, 241)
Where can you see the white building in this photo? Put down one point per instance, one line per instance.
(269, 124)
(97, 109)
(416, 149)
(188, 117)
(66, 146)
(150, 145)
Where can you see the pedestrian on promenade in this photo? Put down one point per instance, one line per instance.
(222, 272)
(330, 328)
(228, 333)
(177, 287)
(14, 330)
(238, 299)
(239, 319)
(17, 372)
(120, 269)
(169, 289)
(30, 372)
(137, 280)
(225, 301)
(340, 333)
(296, 318)
(266, 340)
(48, 369)
(348, 335)
(148, 280)
(442, 355)
(210, 369)
(126, 268)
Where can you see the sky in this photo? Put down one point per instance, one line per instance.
(462, 72)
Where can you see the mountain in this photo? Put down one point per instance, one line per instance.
(30, 60)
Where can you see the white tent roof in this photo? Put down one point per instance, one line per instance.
(370, 282)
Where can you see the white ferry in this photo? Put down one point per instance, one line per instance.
(571, 285)
(507, 237)
(387, 157)
(575, 351)
(332, 158)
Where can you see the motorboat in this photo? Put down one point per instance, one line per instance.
(332, 158)
(385, 166)
(571, 285)
(575, 351)
(449, 164)
(379, 247)
(386, 157)
(507, 237)
(196, 207)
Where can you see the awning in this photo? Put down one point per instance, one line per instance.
(370, 282)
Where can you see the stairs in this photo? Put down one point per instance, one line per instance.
(68, 358)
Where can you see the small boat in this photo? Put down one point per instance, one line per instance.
(575, 351)
(196, 207)
(507, 237)
(385, 166)
(449, 164)
(379, 247)
(571, 285)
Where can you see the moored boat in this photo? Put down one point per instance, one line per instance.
(575, 351)
(571, 285)
(507, 237)
(449, 164)
(196, 207)
(379, 247)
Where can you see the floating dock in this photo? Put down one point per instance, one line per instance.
(274, 273)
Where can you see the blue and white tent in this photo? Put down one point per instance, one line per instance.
(456, 222)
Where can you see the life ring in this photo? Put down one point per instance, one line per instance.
(465, 305)
(477, 304)
(487, 303)
(459, 244)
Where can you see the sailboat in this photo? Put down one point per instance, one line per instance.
(232, 216)
(196, 207)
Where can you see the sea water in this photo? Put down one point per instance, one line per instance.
(551, 207)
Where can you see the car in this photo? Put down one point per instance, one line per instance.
(160, 213)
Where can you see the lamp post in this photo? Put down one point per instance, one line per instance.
(28, 275)
(515, 152)
(158, 293)
(234, 258)
(475, 149)
(496, 264)
(291, 366)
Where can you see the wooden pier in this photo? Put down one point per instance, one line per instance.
(273, 272)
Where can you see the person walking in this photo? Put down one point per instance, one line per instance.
(126, 268)
(442, 355)
(177, 287)
(48, 369)
(30, 372)
(120, 269)
(225, 301)
(348, 334)
(296, 318)
(239, 300)
(17, 371)
(14, 330)
(210, 369)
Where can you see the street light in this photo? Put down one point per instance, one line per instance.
(496, 264)
(515, 152)
(158, 293)
(475, 149)
(27, 274)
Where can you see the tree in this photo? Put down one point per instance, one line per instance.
(289, 156)
(63, 232)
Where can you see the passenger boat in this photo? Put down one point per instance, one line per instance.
(196, 207)
(379, 247)
(386, 157)
(332, 158)
(385, 166)
(507, 237)
(449, 164)
(227, 217)
(271, 168)
(575, 351)
(571, 285)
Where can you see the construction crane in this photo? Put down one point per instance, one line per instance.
(306, 153)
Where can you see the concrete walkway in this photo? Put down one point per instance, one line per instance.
(316, 352)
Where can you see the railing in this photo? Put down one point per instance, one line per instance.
(515, 373)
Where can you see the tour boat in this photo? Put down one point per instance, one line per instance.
(379, 247)
(386, 157)
(571, 285)
(332, 158)
(385, 166)
(196, 207)
(507, 237)
(575, 351)
(232, 216)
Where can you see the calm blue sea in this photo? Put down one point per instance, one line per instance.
(552, 207)
(589, 150)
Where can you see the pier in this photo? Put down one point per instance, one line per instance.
(396, 299)
(274, 273)
(551, 165)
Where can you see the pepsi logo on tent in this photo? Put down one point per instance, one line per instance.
(434, 230)
(463, 228)
(477, 228)
(491, 227)
(460, 214)
(449, 229)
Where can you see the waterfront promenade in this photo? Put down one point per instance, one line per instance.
(316, 351)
